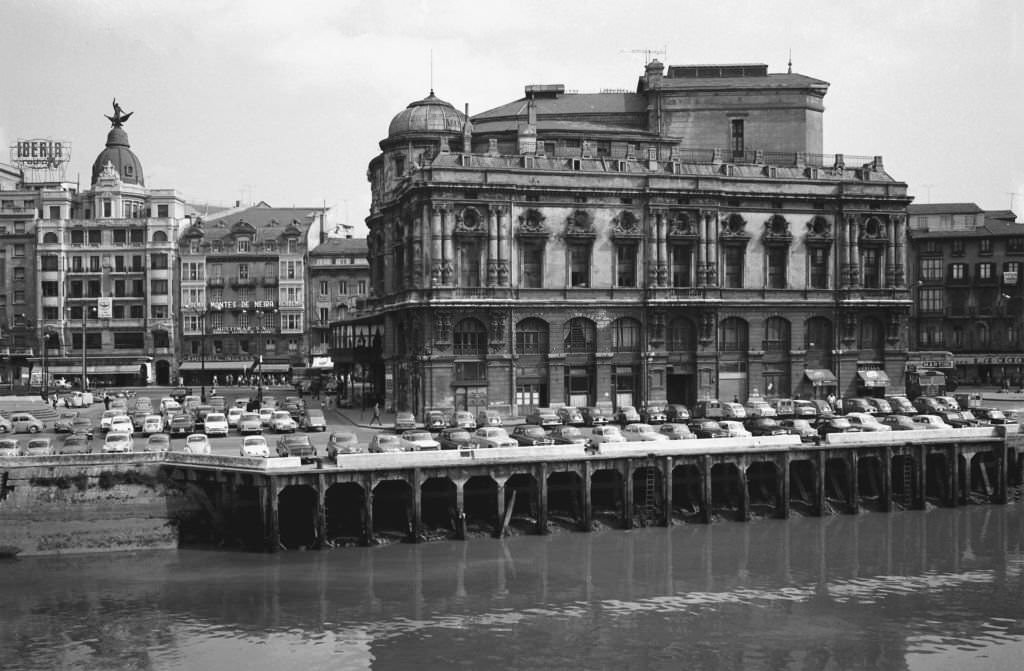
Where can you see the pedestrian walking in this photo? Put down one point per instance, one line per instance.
(106, 401)
(376, 414)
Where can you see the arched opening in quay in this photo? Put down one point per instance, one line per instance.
(869, 480)
(837, 481)
(345, 508)
(762, 484)
(565, 496)
(392, 508)
(726, 487)
(439, 503)
(647, 495)
(686, 489)
(606, 494)
(245, 517)
(480, 501)
(521, 497)
(296, 516)
(802, 474)
(903, 475)
(936, 474)
(984, 475)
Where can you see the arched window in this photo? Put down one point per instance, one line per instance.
(532, 336)
(776, 334)
(818, 334)
(733, 335)
(626, 335)
(50, 238)
(980, 336)
(682, 335)
(469, 337)
(580, 336)
(159, 236)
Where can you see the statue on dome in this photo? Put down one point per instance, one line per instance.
(119, 117)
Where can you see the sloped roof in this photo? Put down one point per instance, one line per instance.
(268, 222)
(340, 247)
(771, 81)
(944, 208)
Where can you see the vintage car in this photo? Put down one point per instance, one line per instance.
(866, 422)
(405, 421)
(454, 438)
(492, 436)
(180, 425)
(901, 405)
(706, 428)
(765, 426)
(10, 447)
(626, 414)
(990, 415)
(158, 442)
(314, 420)
(197, 443)
(75, 443)
(254, 446)
(900, 422)
(296, 445)
(758, 407)
(5, 425)
(385, 442)
(117, 442)
(121, 424)
(463, 419)
(266, 417)
(283, 422)
(804, 408)
(567, 435)
(653, 414)
(436, 421)
(800, 426)
(489, 418)
(543, 417)
(152, 424)
(733, 410)
(38, 447)
(836, 425)
(530, 435)
(677, 412)
(233, 414)
(608, 433)
(879, 406)
(676, 431)
(593, 416)
(65, 421)
(416, 441)
(734, 429)
(249, 423)
(928, 422)
(640, 431)
(570, 415)
(343, 442)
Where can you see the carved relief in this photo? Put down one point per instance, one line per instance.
(734, 227)
(707, 327)
(657, 327)
(470, 222)
(442, 330)
(626, 225)
(776, 231)
(579, 223)
(496, 331)
(819, 228)
(531, 223)
(681, 224)
(872, 229)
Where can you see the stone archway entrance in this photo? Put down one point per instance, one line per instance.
(163, 373)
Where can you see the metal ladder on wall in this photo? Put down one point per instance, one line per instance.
(649, 508)
(908, 481)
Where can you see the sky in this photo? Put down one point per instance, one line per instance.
(285, 102)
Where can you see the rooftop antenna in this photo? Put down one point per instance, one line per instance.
(646, 53)
(431, 70)
(928, 189)
(789, 70)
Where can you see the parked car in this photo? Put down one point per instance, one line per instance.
(626, 414)
(570, 415)
(959, 419)
(531, 434)
(567, 435)
(417, 441)
(765, 426)
(607, 433)
(314, 420)
(709, 409)
(758, 407)
(296, 445)
(928, 405)
(676, 412)
(800, 426)
(180, 425)
(169, 405)
(489, 437)
(825, 409)
(463, 419)
(107, 417)
(653, 414)
(122, 424)
(249, 423)
(294, 409)
(254, 446)
(38, 447)
(784, 407)
(676, 431)
(216, 424)
(233, 414)
(857, 404)
(158, 442)
(180, 393)
(836, 425)
(385, 442)
(405, 421)
(65, 421)
(343, 442)
(5, 425)
(706, 428)
(928, 422)
(117, 442)
(282, 422)
(138, 417)
(593, 416)
(454, 438)
(436, 421)
(866, 421)
(269, 402)
(641, 431)
(899, 422)
(197, 443)
(152, 424)
(266, 417)
(733, 410)
(489, 418)
(880, 406)
(83, 425)
(199, 414)
(543, 417)
(75, 443)
(734, 429)
(806, 409)
(10, 447)
(990, 415)
(901, 405)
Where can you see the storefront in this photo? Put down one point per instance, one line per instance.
(872, 382)
(818, 383)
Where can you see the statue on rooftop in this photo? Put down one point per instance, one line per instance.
(119, 117)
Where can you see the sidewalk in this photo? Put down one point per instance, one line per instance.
(353, 416)
(991, 393)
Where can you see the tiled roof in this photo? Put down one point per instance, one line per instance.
(944, 208)
(269, 222)
(340, 247)
(571, 104)
(771, 81)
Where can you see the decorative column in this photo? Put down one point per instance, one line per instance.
(712, 242)
(701, 250)
(899, 225)
(663, 250)
(492, 246)
(447, 228)
(890, 254)
(436, 254)
(503, 246)
(652, 249)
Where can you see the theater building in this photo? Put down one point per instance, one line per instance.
(685, 240)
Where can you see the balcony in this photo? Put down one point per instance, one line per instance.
(242, 282)
(269, 280)
(215, 281)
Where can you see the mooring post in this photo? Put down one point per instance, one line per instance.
(542, 498)
(743, 498)
(499, 522)
(587, 512)
(782, 487)
(886, 474)
(274, 526)
(368, 510)
(919, 475)
(852, 482)
(821, 457)
(460, 510)
(627, 499)
(666, 489)
(999, 451)
(321, 510)
(706, 511)
(952, 476)
(415, 532)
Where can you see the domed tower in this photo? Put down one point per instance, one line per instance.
(118, 153)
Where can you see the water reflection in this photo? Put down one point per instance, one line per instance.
(872, 591)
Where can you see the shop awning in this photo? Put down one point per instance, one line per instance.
(98, 369)
(820, 377)
(873, 378)
(215, 365)
(276, 367)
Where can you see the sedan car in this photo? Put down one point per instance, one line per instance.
(233, 415)
(653, 414)
(676, 412)
(416, 441)
(117, 442)
(593, 416)
(385, 442)
(23, 422)
(608, 433)
(249, 423)
(254, 446)
(343, 442)
(543, 417)
(990, 415)
(82, 425)
(454, 438)
(734, 429)
(295, 445)
(676, 431)
(866, 422)
(65, 421)
(152, 424)
(836, 425)
(491, 436)
(799, 426)
(266, 417)
(640, 431)
(283, 422)
(107, 417)
(180, 425)
(405, 421)
(76, 443)
(900, 423)
(436, 421)
(38, 447)
(10, 447)
(758, 407)
(707, 428)
(733, 410)
(314, 420)
(122, 424)
(489, 418)
(531, 434)
(930, 422)
(158, 442)
(567, 435)
(626, 414)
(766, 426)
(5, 425)
(804, 408)
(570, 415)
(197, 443)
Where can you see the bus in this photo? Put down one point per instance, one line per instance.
(929, 374)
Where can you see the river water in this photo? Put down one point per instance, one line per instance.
(936, 589)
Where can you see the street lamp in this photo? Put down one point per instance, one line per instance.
(260, 344)
(85, 322)
(201, 315)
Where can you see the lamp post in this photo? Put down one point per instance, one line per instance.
(260, 347)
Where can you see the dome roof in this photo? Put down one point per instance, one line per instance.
(430, 115)
(121, 156)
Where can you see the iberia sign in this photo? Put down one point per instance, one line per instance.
(40, 153)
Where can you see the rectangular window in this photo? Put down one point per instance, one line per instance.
(158, 311)
(625, 265)
(958, 247)
(733, 256)
(119, 263)
(93, 289)
(325, 314)
(19, 250)
(985, 246)
(95, 237)
(50, 262)
(158, 287)
(118, 311)
(871, 268)
(120, 236)
(50, 289)
(108, 208)
(985, 271)
(958, 271)
(78, 237)
(243, 271)
(342, 287)
(469, 255)
(930, 268)
(324, 290)
(136, 311)
(777, 257)
(55, 212)
(533, 266)
(682, 265)
(930, 300)
(136, 236)
(737, 137)
(76, 264)
(361, 288)
(119, 289)
(579, 265)
(243, 246)
(162, 211)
